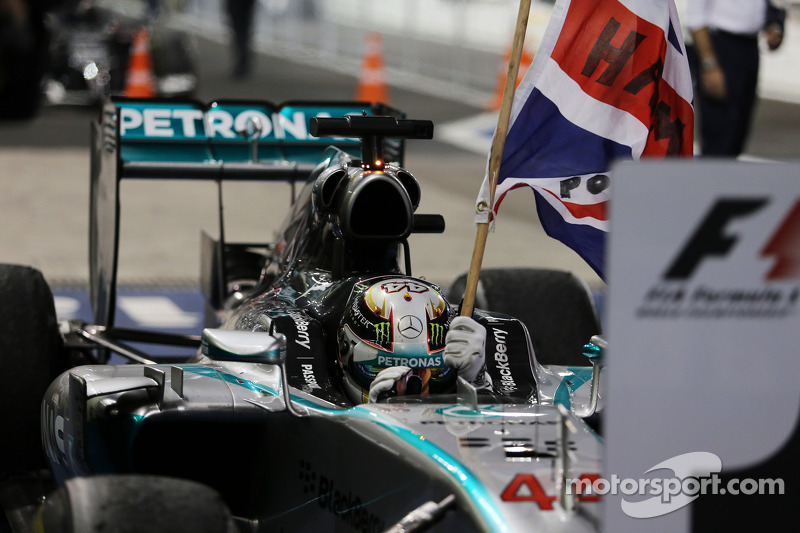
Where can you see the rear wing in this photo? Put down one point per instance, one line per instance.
(226, 140)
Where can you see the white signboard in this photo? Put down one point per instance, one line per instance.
(703, 323)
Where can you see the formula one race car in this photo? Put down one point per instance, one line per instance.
(89, 55)
(265, 428)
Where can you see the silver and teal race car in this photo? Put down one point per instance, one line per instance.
(256, 431)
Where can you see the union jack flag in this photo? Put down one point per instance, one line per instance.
(610, 81)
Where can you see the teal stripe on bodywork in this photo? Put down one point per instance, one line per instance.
(570, 383)
(465, 478)
(109, 442)
(452, 466)
(229, 378)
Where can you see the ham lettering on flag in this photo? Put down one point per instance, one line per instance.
(610, 81)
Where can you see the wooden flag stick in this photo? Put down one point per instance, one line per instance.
(496, 155)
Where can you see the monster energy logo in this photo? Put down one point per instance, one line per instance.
(382, 332)
(437, 334)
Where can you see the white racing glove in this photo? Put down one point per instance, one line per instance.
(385, 380)
(464, 349)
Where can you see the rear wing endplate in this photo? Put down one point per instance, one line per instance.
(226, 140)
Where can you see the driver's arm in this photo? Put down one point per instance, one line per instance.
(385, 380)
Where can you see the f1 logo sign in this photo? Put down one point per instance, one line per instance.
(711, 239)
(785, 247)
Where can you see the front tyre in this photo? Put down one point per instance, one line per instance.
(132, 503)
(30, 347)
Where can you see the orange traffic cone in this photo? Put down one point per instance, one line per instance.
(140, 82)
(524, 62)
(372, 82)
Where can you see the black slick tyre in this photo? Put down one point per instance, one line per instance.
(30, 345)
(134, 503)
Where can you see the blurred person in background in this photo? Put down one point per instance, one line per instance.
(724, 56)
(240, 16)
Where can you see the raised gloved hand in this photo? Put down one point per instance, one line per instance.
(385, 380)
(464, 348)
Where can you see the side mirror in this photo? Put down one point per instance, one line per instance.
(250, 347)
(244, 346)
(595, 351)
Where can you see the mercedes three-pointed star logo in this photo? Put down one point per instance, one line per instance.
(410, 327)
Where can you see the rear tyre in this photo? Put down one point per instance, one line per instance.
(556, 306)
(30, 347)
(133, 503)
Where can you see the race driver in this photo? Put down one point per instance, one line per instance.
(398, 336)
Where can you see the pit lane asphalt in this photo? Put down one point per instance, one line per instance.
(44, 201)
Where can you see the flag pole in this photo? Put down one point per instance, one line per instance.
(496, 155)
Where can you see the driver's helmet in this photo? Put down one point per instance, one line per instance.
(398, 321)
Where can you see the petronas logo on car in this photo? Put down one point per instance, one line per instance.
(437, 334)
(382, 332)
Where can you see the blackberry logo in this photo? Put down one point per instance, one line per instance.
(308, 477)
